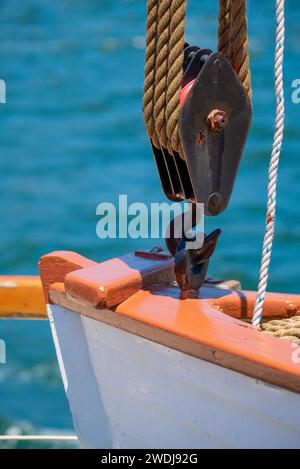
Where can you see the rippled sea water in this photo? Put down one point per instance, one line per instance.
(72, 135)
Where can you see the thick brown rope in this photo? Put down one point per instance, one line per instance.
(233, 38)
(163, 71)
(224, 31)
(239, 43)
(288, 329)
(161, 77)
(150, 70)
(175, 75)
(164, 61)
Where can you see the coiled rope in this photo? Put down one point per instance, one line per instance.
(273, 167)
(164, 62)
(287, 329)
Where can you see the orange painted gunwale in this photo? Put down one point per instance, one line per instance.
(196, 320)
(196, 324)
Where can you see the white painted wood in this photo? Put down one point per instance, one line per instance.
(128, 392)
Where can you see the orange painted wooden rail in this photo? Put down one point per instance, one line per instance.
(22, 297)
(132, 294)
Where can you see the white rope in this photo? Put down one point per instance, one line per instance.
(38, 437)
(273, 168)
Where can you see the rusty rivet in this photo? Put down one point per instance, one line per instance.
(200, 138)
(217, 65)
(291, 310)
(214, 203)
(217, 120)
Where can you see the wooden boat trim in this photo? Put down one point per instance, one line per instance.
(22, 297)
(105, 285)
(196, 328)
(262, 367)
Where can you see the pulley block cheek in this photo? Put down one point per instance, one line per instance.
(172, 168)
(213, 125)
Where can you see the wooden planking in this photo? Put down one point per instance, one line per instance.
(21, 296)
(195, 328)
(127, 391)
(205, 324)
(197, 321)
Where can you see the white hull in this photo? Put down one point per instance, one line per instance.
(125, 391)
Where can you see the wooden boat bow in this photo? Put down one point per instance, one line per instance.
(138, 295)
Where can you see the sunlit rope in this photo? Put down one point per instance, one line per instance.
(273, 168)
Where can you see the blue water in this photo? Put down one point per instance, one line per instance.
(72, 135)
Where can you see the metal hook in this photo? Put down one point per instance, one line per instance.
(191, 262)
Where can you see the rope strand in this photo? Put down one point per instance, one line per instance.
(161, 77)
(150, 70)
(239, 44)
(224, 31)
(273, 168)
(175, 75)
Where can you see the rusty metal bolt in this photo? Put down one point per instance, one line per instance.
(291, 309)
(217, 65)
(217, 120)
(214, 203)
(200, 138)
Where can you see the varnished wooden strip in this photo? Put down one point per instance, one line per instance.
(21, 296)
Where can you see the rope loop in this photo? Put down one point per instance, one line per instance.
(164, 62)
